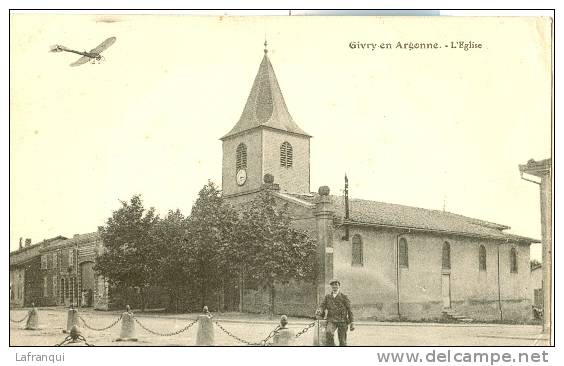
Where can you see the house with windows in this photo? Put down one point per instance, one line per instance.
(26, 281)
(67, 271)
(393, 261)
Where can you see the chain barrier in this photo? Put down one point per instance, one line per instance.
(19, 321)
(166, 334)
(270, 335)
(308, 327)
(235, 337)
(99, 329)
(248, 343)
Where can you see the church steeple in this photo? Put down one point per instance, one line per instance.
(265, 140)
(265, 105)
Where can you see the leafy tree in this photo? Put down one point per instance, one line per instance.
(130, 251)
(172, 272)
(270, 249)
(210, 230)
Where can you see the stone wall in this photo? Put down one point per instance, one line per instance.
(292, 299)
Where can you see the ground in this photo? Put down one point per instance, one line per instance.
(254, 328)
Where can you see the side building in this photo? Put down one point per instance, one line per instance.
(26, 283)
(60, 272)
(67, 271)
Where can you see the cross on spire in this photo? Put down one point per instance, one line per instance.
(265, 44)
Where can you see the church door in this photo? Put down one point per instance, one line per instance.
(446, 290)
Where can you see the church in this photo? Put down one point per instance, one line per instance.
(394, 262)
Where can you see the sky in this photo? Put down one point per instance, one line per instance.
(426, 128)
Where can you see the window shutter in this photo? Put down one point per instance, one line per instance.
(286, 155)
(289, 156)
(241, 157)
(283, 155)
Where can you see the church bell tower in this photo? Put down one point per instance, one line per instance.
(265, 140)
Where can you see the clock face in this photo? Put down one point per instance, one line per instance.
(241, 177)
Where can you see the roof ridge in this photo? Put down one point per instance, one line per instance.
(471, 219)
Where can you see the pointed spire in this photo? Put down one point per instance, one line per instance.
(265, 105)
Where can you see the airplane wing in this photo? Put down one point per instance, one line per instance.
(102, 46)
(80, 61)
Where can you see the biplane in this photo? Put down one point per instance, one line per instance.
(94, 55)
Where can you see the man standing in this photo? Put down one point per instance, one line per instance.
(339, 314)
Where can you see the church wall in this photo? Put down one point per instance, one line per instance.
(371, 287)
(474, 293)
(254, 163)
(296, 178)
(515, 287)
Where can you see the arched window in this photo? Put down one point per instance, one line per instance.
(286, 155)
(482, 258)
(241, 160)
(513, 260)
(357, 250)
(446, 255)
(403, 253)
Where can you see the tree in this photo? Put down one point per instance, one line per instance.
(271, 250)
(172, 271)
(210, 230)
(130, 251)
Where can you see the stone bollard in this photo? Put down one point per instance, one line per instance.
(205, 336)
(32, 319)
(72, 319)
(127, 332)
(284, 336)
(319, 337)
(75, 333)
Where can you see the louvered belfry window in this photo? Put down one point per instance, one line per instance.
(286, 155)
(241, 161)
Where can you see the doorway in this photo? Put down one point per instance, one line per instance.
(446, 290)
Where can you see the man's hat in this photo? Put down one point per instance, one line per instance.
(334, 280)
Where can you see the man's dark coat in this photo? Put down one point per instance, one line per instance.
(338, 308)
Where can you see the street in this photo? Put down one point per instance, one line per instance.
(254, 328)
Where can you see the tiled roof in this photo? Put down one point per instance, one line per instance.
(393, 215)
(265, 105)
